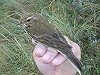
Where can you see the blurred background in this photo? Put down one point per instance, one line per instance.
(78, 19)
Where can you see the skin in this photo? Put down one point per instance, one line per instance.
(52, 63)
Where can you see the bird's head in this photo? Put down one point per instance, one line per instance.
(36, 24)
(28, 20)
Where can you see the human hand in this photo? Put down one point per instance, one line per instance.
(52, 63)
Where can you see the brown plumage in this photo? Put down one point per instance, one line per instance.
(44, 32)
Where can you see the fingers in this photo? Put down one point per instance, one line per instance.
(47, 56)
(58, 60)
(39, 50)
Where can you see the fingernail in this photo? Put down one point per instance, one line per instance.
(40, 49)
(58, 60)
(46, 57)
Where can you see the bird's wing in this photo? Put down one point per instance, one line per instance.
(57, 40)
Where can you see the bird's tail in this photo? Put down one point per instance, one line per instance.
(75, 62)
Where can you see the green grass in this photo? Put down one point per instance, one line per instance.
(78, 20)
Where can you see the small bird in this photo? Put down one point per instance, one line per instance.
(42, 31)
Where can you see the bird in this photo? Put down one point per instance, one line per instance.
(43, 31)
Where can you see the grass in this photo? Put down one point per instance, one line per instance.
(78, 19)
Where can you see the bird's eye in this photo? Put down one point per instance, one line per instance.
(29, 19)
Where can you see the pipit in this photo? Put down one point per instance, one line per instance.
(42, 31)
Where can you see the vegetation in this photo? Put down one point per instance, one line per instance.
(78, 19)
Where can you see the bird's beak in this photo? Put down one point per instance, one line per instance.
(19, 23)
